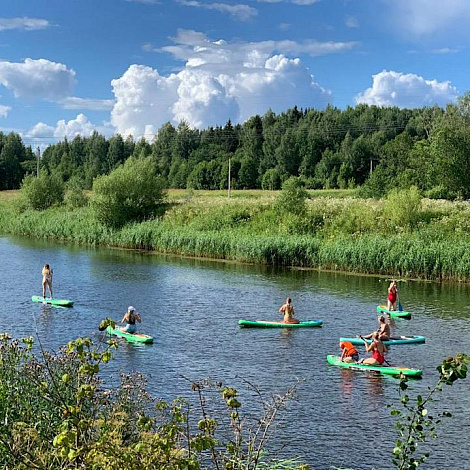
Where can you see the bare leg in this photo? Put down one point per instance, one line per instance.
(44, 290)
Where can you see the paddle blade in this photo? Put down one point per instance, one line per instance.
(400, 307)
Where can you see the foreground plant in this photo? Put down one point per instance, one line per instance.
(56, 412)
(415, 425)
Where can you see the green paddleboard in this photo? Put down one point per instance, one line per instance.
(393, 313)
(132, 337)
(387, 370)
(279, 324)
(392, 341)
(58, 302)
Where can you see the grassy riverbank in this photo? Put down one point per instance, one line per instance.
(401, 236)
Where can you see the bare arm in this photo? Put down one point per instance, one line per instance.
(138, 317)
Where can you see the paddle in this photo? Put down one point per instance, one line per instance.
(400, 306)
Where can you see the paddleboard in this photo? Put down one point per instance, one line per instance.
(132, 337)
(393, 313)
(58, 302)
(386, 370)
(393, 340)
(279, 324)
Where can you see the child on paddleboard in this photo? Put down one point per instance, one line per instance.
(46, 280)
(129, 318)
(349, 352)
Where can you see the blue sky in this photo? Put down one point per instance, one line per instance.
(71, 67)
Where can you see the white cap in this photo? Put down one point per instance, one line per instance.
(130, 308)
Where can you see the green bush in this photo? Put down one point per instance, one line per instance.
(292, 198)
(43, 191)
(402, 208)
(132, 192)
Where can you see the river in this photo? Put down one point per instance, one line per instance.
(192, 307)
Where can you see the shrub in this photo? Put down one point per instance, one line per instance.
(403, 207)
(43, 191)
(132, 192)
(292, 198)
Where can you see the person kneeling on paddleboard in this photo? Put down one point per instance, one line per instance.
(378, 350)
(129, 318)
(349, 353)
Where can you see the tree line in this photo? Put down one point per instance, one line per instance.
(374, 148)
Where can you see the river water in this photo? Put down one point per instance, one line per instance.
(340, 417)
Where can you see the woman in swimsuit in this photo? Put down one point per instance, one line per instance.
(392, 296)
(46, 280)
(129, 318)
(288, 310)
(378, 350)
(383, 330)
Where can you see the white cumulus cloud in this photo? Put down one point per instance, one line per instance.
(219, 81)
(80, 125)
(407, 91)
(37, 79)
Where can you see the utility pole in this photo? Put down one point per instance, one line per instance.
(229, 177)
(38, 156)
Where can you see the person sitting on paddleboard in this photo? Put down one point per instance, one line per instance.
(129, 319)
(288, 310)
(392, 296)
(46, 280)
(378, 350)
(349, 352)
(383, 330)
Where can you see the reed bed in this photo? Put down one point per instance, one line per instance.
(336, 233)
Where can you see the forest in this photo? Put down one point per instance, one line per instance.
(372, 148)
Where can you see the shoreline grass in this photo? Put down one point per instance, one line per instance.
(341, 234)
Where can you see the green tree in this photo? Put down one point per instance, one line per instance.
(44, 191)
(292, 199)
(133, 191)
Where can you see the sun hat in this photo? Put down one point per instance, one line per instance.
(130, 308)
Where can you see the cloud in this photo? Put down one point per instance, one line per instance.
(37, 79)
(70, 129)
(27, 24)
(238, 11)
(407, 91)
(219, 81)
(195, 48)
(73, 102)
(4, 110)
(428, 17)
(445, 50)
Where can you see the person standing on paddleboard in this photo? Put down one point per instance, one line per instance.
(392, 296)
(288, 310)
(129, 318)
(46, 280)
